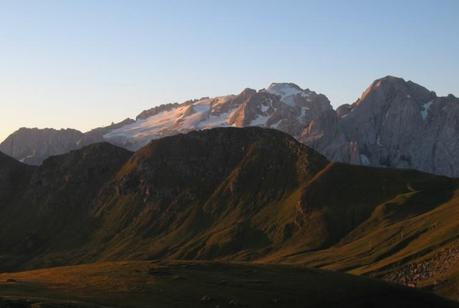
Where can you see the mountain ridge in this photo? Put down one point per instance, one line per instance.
(224, 174)
(394, 123)
(252, 195)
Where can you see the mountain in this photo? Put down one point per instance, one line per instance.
(395, 123)
(51, 209)
(229, 194)
(33, 145)
(283, 106)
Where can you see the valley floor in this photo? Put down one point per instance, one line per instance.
(202, 284)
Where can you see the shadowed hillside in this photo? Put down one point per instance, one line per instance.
(13, 179)
(252, 195)
(51, 212)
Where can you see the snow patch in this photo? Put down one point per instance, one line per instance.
(276, 125)
(182, 118)
(425, 110)
(260, 120)
(264, 108)
(286, 91)
(303, 112)
(214, 121)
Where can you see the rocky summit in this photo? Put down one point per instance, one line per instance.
(395, 123)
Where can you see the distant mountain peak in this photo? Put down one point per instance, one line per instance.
(283, 106)
(277, 85)
(283, 89)
(287, 91)
(391, 78)
(383, 84)
(390, 87)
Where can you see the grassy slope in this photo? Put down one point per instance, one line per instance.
(238, 195)
(202, 284)
(375, 221)
(412, 239)
(263, 207)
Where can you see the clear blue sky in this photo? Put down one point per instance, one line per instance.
(83, 64)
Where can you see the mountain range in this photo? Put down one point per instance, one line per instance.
(233, 200)
(395, 123)
(249, 195)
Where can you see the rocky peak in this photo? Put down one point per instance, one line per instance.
(395, 123)
(283, 88)
(284, 106)
(247, 92)
(32, 145)
(395, 89)
(286, 91)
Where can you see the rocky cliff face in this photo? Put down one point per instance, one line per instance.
(33, 145)
(395, 123)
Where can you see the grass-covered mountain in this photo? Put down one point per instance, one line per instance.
(234, 195)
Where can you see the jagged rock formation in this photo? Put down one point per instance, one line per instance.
(283, 106)
(395, 123)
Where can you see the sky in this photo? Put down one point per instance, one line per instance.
(84, 64)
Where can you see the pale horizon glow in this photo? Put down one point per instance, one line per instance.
(84, 64)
